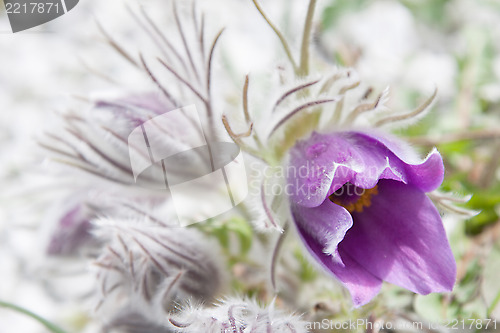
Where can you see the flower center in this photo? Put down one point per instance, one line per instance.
(353, 198)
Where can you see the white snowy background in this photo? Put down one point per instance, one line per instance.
(45, 69)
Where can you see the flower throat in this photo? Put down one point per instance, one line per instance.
(353, 198)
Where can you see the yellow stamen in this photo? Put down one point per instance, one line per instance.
(365, 200)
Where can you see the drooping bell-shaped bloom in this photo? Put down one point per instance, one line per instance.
(359, 203)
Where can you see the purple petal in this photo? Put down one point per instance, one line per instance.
(362, 285)
(327, 224)
(400, 238)
(322, 228)
(426, 175)
(152, 102)
(133, 110)
(72, 231)
(325, 162)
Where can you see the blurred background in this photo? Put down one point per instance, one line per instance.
(412, 46)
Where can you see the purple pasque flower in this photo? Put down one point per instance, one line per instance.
(359, 204)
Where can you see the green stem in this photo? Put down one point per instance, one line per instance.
(51, 327)
(279, 34)
(306, 37)
(494, 304)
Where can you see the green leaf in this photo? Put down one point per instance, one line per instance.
(244, 232)
(222, 230)
(476, 224)
(429, 11)
(307, 272)
(337, 8)
(222, 236)
(50, 326)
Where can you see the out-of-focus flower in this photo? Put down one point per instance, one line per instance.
(134, 322)
(359, 204)
(145, 269)
(236, 315)
(96, 142)
(71, 230)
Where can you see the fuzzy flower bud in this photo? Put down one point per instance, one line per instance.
(147, 268)
(236, 315)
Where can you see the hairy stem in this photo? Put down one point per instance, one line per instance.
(306, 37)
(278, 33)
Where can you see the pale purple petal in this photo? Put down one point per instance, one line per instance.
(128, 106)
(322, 228)
(325, 162)
(400, 238)
(152, 101)
(72, 231)
(362, 284)
(427, 175)
(131, 111)
(327, 224)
